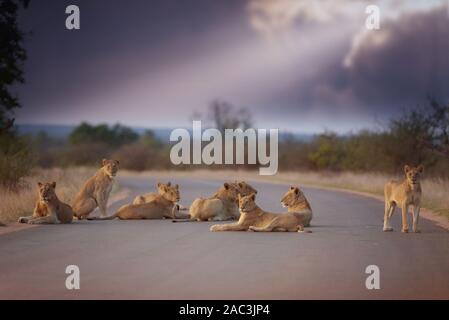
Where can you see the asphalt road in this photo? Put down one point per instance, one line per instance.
(165, 260)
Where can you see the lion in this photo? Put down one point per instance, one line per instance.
(147, 197)
(244, 188)
(253, 218)
(296, 202)
(49, 209)
(220, 207)
(161, 207)
(403, 194)
(96, 190)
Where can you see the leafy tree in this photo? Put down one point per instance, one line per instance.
(12, 56)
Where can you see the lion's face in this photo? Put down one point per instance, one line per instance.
(244, 188)
(247, 203)
(110, 167)
(228, 192)
(169, 192)
(292, 197)
(47, 191)
(413, 174)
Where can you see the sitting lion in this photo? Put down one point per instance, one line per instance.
(96, 190)
(253, 218)
(49, 209)
(147, 197)
(161, 207)
(297, 204)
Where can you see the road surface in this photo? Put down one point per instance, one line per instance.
(165, 260)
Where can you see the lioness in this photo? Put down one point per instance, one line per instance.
(403, 194)
(49, 209)
(147, 197)
(296, 202)
(161, 207)
(95, 191)
(253, 218)
(221, 206)
(244, 188)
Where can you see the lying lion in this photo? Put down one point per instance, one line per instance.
(49, 209)
(96, 190)
(296, 202)
(404, 194)
(221, 206)
(253, 218)
(161, 207)
(148, 197)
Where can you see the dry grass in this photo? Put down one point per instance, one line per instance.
(435, 191)
(21, 203)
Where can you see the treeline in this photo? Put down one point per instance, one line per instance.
(419, 137)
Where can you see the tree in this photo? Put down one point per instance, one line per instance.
(115, 136)
(223, 115)
(12, 56)
(436, 136)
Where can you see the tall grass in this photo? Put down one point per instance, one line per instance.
(20, 202)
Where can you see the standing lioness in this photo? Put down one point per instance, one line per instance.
(49, 209)
(403, 194)
(253, 218)
(95, 192)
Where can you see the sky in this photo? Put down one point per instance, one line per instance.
(298, 65)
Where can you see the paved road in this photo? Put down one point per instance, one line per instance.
(163, 260)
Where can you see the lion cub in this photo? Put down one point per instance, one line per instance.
(296, 202)
(49, 209)
(253, 218)
(403, 194)
(96, 190)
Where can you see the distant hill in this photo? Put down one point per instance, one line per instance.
(63, 131)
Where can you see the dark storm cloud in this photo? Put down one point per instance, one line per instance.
(391, 69)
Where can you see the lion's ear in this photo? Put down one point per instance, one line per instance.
(103, 162)
(292, 187)
(226, 185)
(158, 184)
(296, 190)
(240, 184)
(117, 162)
(420, 168)
(39, 184)
(53, 184)
(406, 168)
(169, 184)
(253, 196)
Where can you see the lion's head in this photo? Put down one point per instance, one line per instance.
(228, 192)
(110, 167)
(244, 188)
(169, 191)
(47, 192)
(292, 197)
(413, 174)
(247, 203)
